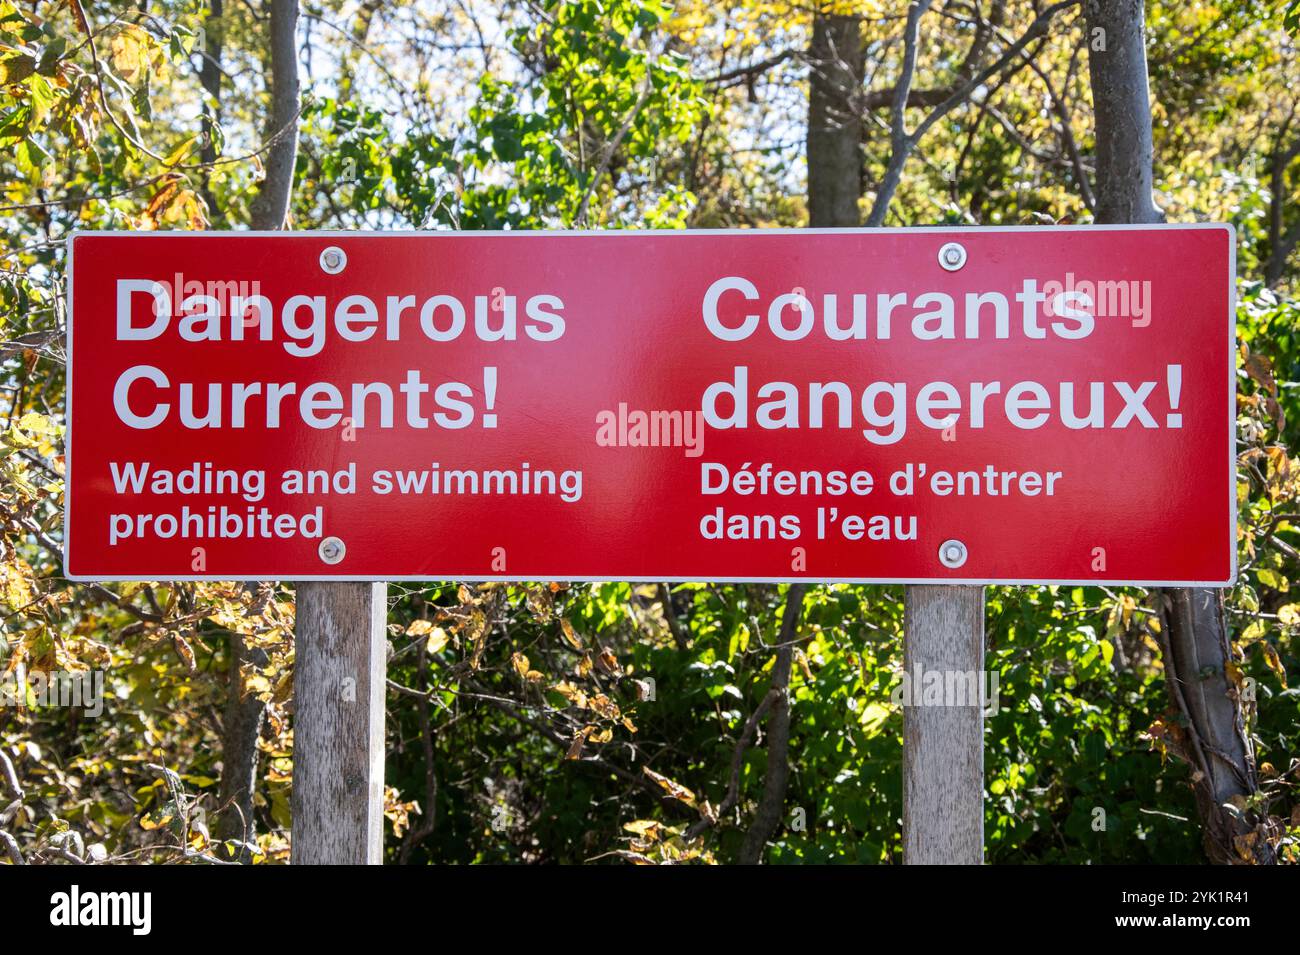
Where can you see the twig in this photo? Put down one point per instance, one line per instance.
(15, 856)
(902, 142)
(737, 761)
(103, 95)
(674, 625)
(580, 217)
(10, 775)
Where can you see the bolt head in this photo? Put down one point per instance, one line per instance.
(333, 260)
(952, 554)
(332, 550)
(952, 256)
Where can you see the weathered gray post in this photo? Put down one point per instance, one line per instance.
(943, 745)
(340, 657)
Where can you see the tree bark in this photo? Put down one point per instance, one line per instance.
(210, 78)
(1196, 645)
(1117, 70)
(1281, 242)
(834, 146)
(272, 202)
(1216, 746)
(241, 729)
(244, 716)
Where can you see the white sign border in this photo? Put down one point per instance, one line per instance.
(608, 233)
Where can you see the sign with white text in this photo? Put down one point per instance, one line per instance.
(1032, 405)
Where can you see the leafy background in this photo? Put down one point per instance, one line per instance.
(552, 723)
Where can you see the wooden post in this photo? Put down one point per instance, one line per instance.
(340, 658)
(943, 745)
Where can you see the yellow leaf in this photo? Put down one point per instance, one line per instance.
(575, 748)
(674, 789)
(571, 693)
(179, 153)
(1273, 660)
(1235, 676)
(14, 69)
(1127, 605)
(36, 423)
(16, 583)
(646, 828)
(438, 639)
(127, 51)
(802, 658)
(520, 663)
(574, 640)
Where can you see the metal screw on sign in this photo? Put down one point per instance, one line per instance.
(952, 256)
(952, 554)
(331, 550)
(333, 260)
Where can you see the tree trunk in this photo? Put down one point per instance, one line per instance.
(1281, 242)
(1196, 645)
(241, 729)
(1214, 742)
(772, 803)
(834, 149)
(210, 78)
(1117, 69)
(272, 202)
(244, 716)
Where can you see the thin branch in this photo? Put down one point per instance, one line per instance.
(680, 637)
(771, 804)
(103, 94)
(580, 217)
(11, 846)
(737, 762)
(904, 143)
(748, 72)
(10, 774)
(900, 144)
